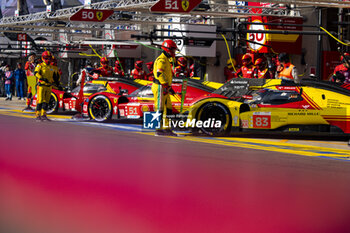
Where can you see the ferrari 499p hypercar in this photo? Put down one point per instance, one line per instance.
(268, 106)
(67, 101)
(102, 106)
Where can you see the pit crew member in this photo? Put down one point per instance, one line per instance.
(150, 75)
(138, 72)
(343, 68)
(286, 70)
(182, 68)
(261, 70)
(161, 87)
(44, 73)
(118, 69)
(246, 71)
(105, 70)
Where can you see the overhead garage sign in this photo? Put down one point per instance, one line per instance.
(263, 42)
(91, 15)
(178, 6)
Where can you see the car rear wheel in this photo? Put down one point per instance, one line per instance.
(216, 112)
(53, 104)
(100, 108)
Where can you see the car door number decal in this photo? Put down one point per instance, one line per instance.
(261, 121)
(133, 111)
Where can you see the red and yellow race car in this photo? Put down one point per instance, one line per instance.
(306, 108)
(104, 105)
(67, 101)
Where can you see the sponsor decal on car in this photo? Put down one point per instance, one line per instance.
(121, 111)
(245, 124)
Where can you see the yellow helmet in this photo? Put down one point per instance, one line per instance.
(231, 62)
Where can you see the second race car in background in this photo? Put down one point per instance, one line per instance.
(67, 101)
(103, 105)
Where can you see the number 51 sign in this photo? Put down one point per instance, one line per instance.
(179, 6)
(91, 15)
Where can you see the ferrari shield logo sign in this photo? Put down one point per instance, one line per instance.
(99, 15)
(185, 4)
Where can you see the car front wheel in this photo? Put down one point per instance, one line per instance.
(100, 108)
(217, 112)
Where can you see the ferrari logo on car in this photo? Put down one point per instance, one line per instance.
(185, 4)
(99, 15)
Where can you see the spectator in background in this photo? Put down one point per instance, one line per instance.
(150, 75)
(20, 77)
(229, 71)
(2, 79)
(138, 72)
(343, 69)
(181, 70)
(286, 70)
(246, 71)
(8, 82)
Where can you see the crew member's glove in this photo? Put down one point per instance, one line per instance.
(171, 91)
(165, 89)
(44, 80)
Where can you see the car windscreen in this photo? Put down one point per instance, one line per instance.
(145, 91)
(274, 97)
(93, 88)
(238, 87)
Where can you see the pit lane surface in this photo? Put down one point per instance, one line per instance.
(66, 177)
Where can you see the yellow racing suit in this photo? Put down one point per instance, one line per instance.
(44, 74)
(163, 78)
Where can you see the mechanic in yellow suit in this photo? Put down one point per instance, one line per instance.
(161, 87)
(45, 75)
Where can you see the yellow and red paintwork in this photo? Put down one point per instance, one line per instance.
(317, 107)
(134, 106)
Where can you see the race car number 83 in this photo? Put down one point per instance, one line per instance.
(261, 121)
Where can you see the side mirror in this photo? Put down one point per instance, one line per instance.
(123, 92)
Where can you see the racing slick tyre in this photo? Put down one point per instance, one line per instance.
(100, 108)
(53, 104)
(217, 111)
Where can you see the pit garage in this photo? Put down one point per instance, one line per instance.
(248, 154)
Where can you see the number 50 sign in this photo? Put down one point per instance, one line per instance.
(91, 15)
(256, 37)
